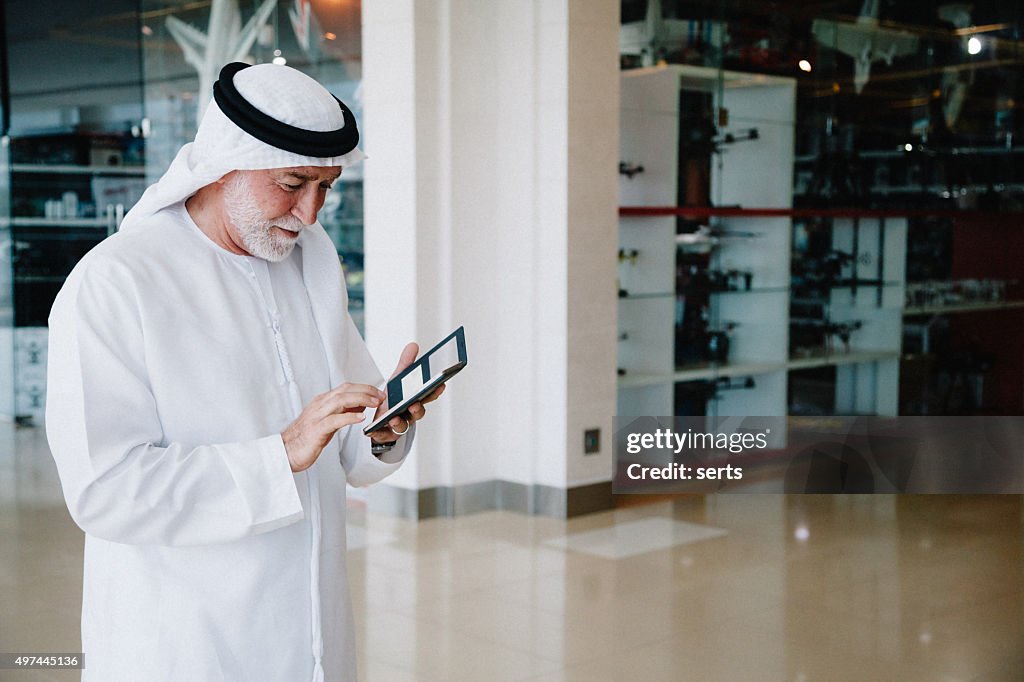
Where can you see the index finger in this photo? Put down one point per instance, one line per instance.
(435, 395)
(357, 388)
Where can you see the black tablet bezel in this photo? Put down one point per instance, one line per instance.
(423, 365)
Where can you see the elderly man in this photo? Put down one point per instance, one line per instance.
(205, 389)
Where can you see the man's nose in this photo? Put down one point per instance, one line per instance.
(307, 205)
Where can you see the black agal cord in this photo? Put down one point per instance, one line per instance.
(275, 133)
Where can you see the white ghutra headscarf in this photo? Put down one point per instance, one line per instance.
(289, 97)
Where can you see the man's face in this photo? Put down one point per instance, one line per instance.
(269, 208)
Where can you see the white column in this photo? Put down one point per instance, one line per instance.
(492, 131)
(592, 197)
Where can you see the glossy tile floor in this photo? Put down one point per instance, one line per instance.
(740, 587)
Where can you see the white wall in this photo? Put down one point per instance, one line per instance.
(492, 131)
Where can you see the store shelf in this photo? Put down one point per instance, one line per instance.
(866, 283)
(58, 222)
(944, 191)
(655, 294)
(755, 290)
(706, 372)
(55, 222)
(698, 212)
(72, 169)
(704, 244)
(900, 153)
(836, 359)
(700, 374)
(961, 308)
(632, 380)
(729, 370)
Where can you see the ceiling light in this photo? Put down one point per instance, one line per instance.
(908, 147)
(804, 65)
(973, 45)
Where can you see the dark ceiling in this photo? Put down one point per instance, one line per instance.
(80, 54)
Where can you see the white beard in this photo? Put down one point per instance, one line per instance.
(254, 230)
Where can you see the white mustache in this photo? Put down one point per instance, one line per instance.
(290, 223)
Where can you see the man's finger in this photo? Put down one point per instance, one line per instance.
(416, 412)
(348, 401)
(435, 395)
(399, 424)
(345, 402)
(339, 421)
(356, 388)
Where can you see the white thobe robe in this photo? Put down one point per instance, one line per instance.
(174, 367)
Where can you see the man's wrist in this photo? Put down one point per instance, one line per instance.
(378, 449)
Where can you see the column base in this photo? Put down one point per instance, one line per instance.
(539, 500)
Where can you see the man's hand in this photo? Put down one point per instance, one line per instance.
(416, 411)
(306, 437)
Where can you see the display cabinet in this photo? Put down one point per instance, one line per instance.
(710, 303)
(67, 192)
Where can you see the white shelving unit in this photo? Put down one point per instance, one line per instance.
(755, 174)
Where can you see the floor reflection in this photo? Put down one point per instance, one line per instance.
(729, 587)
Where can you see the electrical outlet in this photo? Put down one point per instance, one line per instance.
(591, 441)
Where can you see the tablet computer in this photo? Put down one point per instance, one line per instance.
(421, 378)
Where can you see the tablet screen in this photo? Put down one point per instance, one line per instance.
(412, 382)
(442, 359)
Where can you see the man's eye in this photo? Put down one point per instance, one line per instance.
(290, 188)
